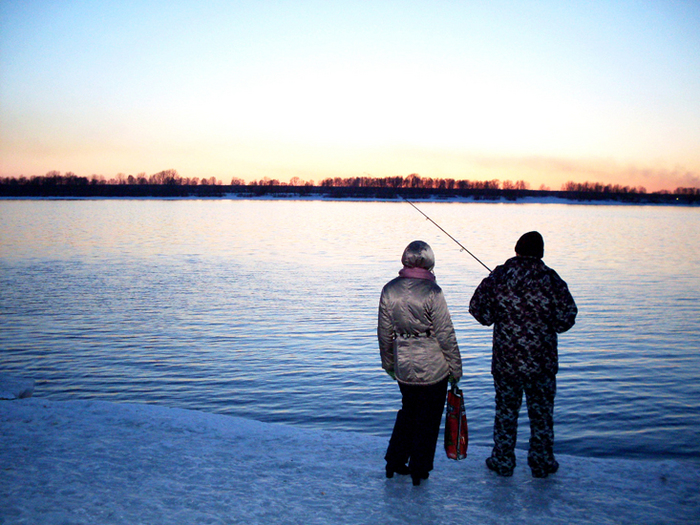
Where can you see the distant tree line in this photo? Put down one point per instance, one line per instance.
(54, 178)
(171, 177)
(686, 191)
(414, 181)
(597, 187)
(411, 181)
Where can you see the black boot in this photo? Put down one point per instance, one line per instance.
(417, 477)
(397, 469)
(542, 471)
(500, 469)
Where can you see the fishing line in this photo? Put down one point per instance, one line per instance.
(443, 231)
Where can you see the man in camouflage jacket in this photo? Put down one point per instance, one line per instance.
(528, 304)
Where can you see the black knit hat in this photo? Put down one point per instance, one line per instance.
(530, 244)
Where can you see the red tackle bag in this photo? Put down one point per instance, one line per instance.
(456, 431)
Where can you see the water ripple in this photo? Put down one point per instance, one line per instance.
(268, 310)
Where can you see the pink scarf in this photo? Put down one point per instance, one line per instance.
(416, 273)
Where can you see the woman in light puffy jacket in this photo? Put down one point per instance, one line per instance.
(418, 347)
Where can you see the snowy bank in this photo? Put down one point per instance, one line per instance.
(98, 462)
(15, 388)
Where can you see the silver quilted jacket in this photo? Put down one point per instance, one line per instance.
(417, 340)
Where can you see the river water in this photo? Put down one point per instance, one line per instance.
(267, 309)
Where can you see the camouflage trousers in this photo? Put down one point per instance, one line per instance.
(539, 394)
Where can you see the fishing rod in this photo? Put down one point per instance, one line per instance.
(443, 231)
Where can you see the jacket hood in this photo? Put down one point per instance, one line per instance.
(418, 254)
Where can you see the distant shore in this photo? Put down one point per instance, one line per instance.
(331, 192)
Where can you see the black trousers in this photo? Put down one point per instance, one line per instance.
(417, 427)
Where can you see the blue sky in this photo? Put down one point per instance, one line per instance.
(541, 91)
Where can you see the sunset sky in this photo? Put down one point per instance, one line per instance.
(545, 91)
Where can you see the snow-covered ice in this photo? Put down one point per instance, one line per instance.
(15, 387)
(75, 462)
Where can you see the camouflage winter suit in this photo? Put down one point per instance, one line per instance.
(528, 304)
